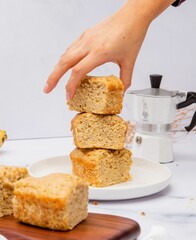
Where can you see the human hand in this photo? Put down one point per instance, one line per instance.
(117, 39)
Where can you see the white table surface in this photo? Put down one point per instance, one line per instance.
(173, 208)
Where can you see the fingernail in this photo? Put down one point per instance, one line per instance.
(68, 96)
(46, 88)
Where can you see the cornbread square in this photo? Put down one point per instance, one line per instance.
(101, 95)
(8, 176)
(101, 167)
(99, 131)
(56, 201)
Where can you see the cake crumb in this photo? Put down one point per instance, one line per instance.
(95, 203)
(143, 213)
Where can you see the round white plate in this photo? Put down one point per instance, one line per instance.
(148, 177)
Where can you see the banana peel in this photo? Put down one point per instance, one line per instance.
(3, 137)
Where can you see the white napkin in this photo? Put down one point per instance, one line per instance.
(158, 233)
(2, 237)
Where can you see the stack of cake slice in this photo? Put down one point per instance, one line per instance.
(99, 134)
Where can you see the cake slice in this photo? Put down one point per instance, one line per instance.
(99, 131)
(101, 95)
(8, 176)
(101, 167)
(56, 201)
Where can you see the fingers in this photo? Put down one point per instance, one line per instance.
(54, 77)
(126, 75)
(67, 61)
(73, 54)
(86, 65)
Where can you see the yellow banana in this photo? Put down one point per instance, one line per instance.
(3, 137)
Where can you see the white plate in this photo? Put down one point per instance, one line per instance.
(148, 177)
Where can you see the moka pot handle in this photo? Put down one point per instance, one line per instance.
(190, 99)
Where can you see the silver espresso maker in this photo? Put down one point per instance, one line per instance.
(154, 111)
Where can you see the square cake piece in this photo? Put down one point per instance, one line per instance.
(8, 176)
(101, 167)
(101, 95)
(99, 131)
(56, 201)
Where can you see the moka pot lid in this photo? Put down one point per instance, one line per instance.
(155, 91)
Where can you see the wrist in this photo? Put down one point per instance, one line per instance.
(147, 10)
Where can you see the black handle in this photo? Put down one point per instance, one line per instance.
(190, 98)
(192, 124)
(155, 80)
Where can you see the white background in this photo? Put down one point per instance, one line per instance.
(34, 34)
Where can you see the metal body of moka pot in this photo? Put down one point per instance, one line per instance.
(154, 111)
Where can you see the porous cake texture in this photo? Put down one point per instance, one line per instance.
(56, 201)
(101, 167)
(8, 176)
(101, 95)
(99, 131)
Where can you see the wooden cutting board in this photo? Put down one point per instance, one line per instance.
(95, 227)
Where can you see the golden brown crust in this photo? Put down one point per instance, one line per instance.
(11, 173)
(111, 82)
